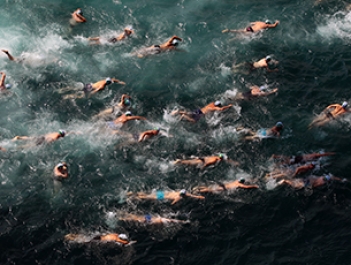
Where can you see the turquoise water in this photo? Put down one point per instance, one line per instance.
(268, 226)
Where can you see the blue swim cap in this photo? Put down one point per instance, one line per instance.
(148, 218)
(279, 124)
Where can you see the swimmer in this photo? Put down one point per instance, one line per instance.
(149, 219)
(3, 87)
(77, 17)
(92, 88)
(290, 160)
(126, 33)
(121, 120)
(61, 171)
(123, 104)
(310, 182)
(201, 162)
(268, 63)
(121, 239)
(255, 92)
(44, 139)
(290, 171)
(174, 196)
(226, 187)
(171, 44)
(273, 132)
(148, 135)
(197, 114)
(254, 27)
(330, 113)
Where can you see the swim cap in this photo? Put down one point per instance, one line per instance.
(218, 103)
(108, 81)
(59, 165)
(79, 12)
(264, 87)
(148, 218)
(268, 21)
(279, 124)
(123, 236)
(126, 102)
(345, 104)
(268, 58)
(157, 129)
(182, 192)
(221, 156)
(62, 133)
(327, 177)
(128, 113)
(8, 86)
(242, 180)
(175, 42)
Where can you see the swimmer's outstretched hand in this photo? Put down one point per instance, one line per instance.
(225, 30)
(16, 138)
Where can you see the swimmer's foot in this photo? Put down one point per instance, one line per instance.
(239, 128)
(225, 30)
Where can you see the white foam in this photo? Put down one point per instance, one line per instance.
(337, 25)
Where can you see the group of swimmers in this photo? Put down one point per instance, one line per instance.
(305, 163)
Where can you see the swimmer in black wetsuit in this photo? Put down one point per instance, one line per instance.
(254, 27)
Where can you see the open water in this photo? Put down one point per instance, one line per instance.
(266, 226)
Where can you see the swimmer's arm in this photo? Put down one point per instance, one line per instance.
(226, 107)
(129, 118)
(176, 200)
(269, 92)
(273, 25)
(79, 16)
(124, 242)
(196, 196)
(114, 80)
(243, 186)
(2, 81)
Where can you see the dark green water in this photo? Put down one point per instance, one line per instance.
(266, 226)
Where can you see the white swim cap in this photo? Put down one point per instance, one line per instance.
(59, 165)
(79, 12)
(268, 58)
(62, 133)
(182, 192)
(123, 236)
(345, 104)
(8, 86)
(218, 103)
(128, 113)
(108, 80)
(175, 42)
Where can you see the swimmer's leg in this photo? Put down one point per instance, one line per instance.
(25, 138)
(185, 116)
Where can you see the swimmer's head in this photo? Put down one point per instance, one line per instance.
(8, 86)
(108, 81)
(175, 42)
(221, 156)
(182, 192)
(268, 21)
(345, 104)
(123, 236)
(218, 103)
(157, 129)
(242, 180)
(80, 12)
(279, 124)
(126, 102)
(264, 87)
(62, 133)
(268, 58)
(128, 113)
(148, 218)
(61, 165)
